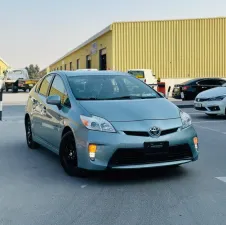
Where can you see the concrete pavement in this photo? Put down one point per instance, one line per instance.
(19, 98)
(34, 190)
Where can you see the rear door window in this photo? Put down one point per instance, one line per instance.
(206, 82)
(38, 85)
(45, 85)
(219, 82)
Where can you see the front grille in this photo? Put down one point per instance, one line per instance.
(201, 108)
(170, 131)
(147, 134)
(139, 156)
(137, 133)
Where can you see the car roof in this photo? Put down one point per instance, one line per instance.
(92, 73)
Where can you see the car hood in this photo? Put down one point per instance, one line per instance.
(213, 92)
(131, 110)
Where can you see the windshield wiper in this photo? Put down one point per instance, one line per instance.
(87, 99)
(147, 97)
(131, 97)
(117, 98)
(123, 97)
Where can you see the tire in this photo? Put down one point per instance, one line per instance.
(14, 89)
(30, 142)
(68, 156)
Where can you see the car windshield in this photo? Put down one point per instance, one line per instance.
(16, 74)
(110, 87)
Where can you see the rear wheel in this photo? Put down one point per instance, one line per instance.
(14, 89)
(68, 156)
(30, 142)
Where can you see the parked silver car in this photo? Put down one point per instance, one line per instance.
(95, 120)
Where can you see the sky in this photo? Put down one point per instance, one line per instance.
(41, 31)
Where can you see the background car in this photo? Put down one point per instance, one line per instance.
(212, 102)
(98, 120)
(190, 89)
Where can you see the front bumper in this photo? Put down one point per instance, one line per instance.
(120, 151)
(210, 107)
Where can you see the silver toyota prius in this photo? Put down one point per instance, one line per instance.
(99, 120)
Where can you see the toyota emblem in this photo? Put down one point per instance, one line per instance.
(155, 131)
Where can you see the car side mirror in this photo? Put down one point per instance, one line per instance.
(54, 100)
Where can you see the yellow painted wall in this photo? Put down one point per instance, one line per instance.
(3, 67)
(172, 49)
(105, 41)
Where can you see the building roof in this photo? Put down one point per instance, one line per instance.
(109, 28)
(4, 62)
(99, 34)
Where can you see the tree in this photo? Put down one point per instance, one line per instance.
(33, 71)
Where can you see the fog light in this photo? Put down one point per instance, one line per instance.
(92, 151)
(196, 142)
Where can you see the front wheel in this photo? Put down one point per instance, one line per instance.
(68, 156)
(30, 142)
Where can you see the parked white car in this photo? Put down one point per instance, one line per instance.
(212, 101)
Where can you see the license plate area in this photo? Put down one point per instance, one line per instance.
(156, 147)
(182, 95)
(198, 105)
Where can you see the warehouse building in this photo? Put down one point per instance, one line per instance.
(3, 66)
(175, 50)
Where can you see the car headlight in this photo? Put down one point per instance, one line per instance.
(219, 98)
(186, 119)
(97, 123)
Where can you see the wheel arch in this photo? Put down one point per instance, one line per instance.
(65, 130)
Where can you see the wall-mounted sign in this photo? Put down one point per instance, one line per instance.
(94, 48)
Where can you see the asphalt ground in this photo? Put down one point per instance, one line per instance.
(34, 189)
